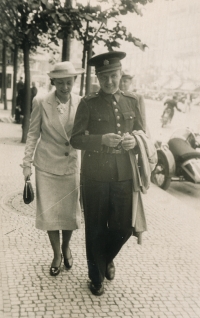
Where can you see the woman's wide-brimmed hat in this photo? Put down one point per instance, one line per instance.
(64, 69)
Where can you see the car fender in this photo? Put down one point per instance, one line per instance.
(167, 154)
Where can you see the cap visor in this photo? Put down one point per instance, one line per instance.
(109, 70)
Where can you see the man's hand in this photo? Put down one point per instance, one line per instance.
(111, 140)
(129, 142)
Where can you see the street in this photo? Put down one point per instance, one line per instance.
(188, 193)
(154, 110)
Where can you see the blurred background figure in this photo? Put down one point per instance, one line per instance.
(20, 106)
(20, 84)
(18, 109)
(34, 91)
(188, 102)
(170, 105)
(126, 81)
(20, 103)
(126, 85)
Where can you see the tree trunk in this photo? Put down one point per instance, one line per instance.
(66, 49)
(66, 40)
(27, 92)
(4, 79)
(1, 97)
(83, 66)
(88, 76)
(14, 80)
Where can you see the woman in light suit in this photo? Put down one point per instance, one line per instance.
(57, 164)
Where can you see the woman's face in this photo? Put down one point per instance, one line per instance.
(64, 87)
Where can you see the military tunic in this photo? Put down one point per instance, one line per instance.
(100, 114)
(106, 174)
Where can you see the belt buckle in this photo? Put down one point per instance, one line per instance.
(117, 151)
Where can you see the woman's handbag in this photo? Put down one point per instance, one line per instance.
(28, 194)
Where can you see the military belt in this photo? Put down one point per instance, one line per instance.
(113, 151)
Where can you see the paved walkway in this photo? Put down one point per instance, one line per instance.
(161, 278)
(5, 115)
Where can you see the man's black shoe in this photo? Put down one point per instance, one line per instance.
(96, 290)
(110, 271)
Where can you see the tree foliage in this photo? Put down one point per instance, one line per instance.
(28, 24)
(90, 22)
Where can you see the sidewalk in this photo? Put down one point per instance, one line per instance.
(160, 278)
(5, 115)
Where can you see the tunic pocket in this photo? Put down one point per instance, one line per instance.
(129, 118)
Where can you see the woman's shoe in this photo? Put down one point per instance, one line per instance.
(54, 271)
(68, 262)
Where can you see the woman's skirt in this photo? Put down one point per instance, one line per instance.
(57, 201)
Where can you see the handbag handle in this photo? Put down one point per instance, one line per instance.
(26, 187)
(28, 193)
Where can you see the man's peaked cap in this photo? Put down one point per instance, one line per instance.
(105, 62)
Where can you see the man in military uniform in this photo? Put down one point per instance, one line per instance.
(103, 125)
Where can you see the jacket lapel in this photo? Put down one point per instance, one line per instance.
(49, 105)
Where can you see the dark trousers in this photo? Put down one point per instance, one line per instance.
(108, 216)
(17, 115)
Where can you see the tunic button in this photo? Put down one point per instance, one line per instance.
(67, 143)
(118, 117)
(131, 117)
(116, 110)
(66, 153)
(119, 132)
(99, 119)
(114, 103)
(118, 125)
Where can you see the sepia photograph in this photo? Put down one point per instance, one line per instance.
(99, 158)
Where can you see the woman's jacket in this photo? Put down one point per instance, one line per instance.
(47, 143)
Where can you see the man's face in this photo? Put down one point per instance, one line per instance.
(109, 81)
(125, 84)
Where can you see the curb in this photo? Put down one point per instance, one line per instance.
(7, 120)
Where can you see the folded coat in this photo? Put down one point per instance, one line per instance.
(147, 159)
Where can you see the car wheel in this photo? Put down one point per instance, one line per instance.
(160, 175)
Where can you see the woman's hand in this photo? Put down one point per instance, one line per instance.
(27, 172)
(111, 140)
(129, 142)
